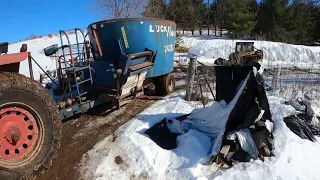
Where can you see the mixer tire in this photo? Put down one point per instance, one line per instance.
(165, 84)
(30, 127)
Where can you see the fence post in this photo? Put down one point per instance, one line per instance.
(276, 77)
(190, 78)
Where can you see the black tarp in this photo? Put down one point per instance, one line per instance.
(162, 136)
(244, 114)
(228, 78)
(252, 100)
(298, 125)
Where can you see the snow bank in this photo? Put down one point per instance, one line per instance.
(36, 47)
(274, 52)
(130, 154)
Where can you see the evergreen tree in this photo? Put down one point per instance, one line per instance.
(214, 15)
(177, 13)
(300, 21)
(196, 14)
(272, 18)
(240, 19)
(188, 14)
(222, 9)
(254, 7)
(294, 22)
(316, 34)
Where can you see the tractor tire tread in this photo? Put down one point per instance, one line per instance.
(17, 81)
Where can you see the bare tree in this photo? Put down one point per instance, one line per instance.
(120, 8)
(155, 9)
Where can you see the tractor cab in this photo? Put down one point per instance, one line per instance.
(4, 47)
(11, 62)
(243, 47)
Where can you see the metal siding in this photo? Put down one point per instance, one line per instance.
(103, 74)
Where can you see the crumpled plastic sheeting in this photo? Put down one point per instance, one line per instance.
(246, 141)
(174, 126)
(212, 121)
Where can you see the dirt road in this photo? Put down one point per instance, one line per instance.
(81, 134)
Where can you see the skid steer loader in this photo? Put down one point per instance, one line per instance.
(245, 52)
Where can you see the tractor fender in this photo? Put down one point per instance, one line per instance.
(13, 58)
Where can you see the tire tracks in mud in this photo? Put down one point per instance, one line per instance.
(81, 134)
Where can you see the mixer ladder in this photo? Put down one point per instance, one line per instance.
(78, 65)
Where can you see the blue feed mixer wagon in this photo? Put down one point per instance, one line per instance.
(112, 63)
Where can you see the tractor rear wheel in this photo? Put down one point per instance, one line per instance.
(165, 84)
(30, 127)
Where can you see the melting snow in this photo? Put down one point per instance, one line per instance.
(295, 158)
(275, 53)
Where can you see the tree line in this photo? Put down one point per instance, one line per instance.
(291, 21)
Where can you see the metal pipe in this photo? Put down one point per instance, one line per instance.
(98, 42)
(69, 44)
(78, 47)
(84, 41)
(71, 56)
(43, 71)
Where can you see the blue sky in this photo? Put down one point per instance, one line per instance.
(22, 18)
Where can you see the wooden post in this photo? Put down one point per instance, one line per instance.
(190, 78)
(276, 77)
(30, 66)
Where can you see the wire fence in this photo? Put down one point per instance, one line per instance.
(294, 82)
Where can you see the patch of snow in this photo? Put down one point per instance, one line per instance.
(295, 158)
(275, 53)
(315, 105)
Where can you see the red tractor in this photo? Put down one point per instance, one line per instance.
(30, 126)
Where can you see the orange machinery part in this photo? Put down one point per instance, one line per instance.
(13, 58)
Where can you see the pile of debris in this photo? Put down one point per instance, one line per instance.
(239, 123)
(305, 122)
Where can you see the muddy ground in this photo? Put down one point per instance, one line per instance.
(81, 134)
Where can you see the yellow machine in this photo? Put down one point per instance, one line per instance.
(245, 53)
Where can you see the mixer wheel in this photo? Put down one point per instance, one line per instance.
(165, 84)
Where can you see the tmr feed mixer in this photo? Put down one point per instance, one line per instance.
(113, 63)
